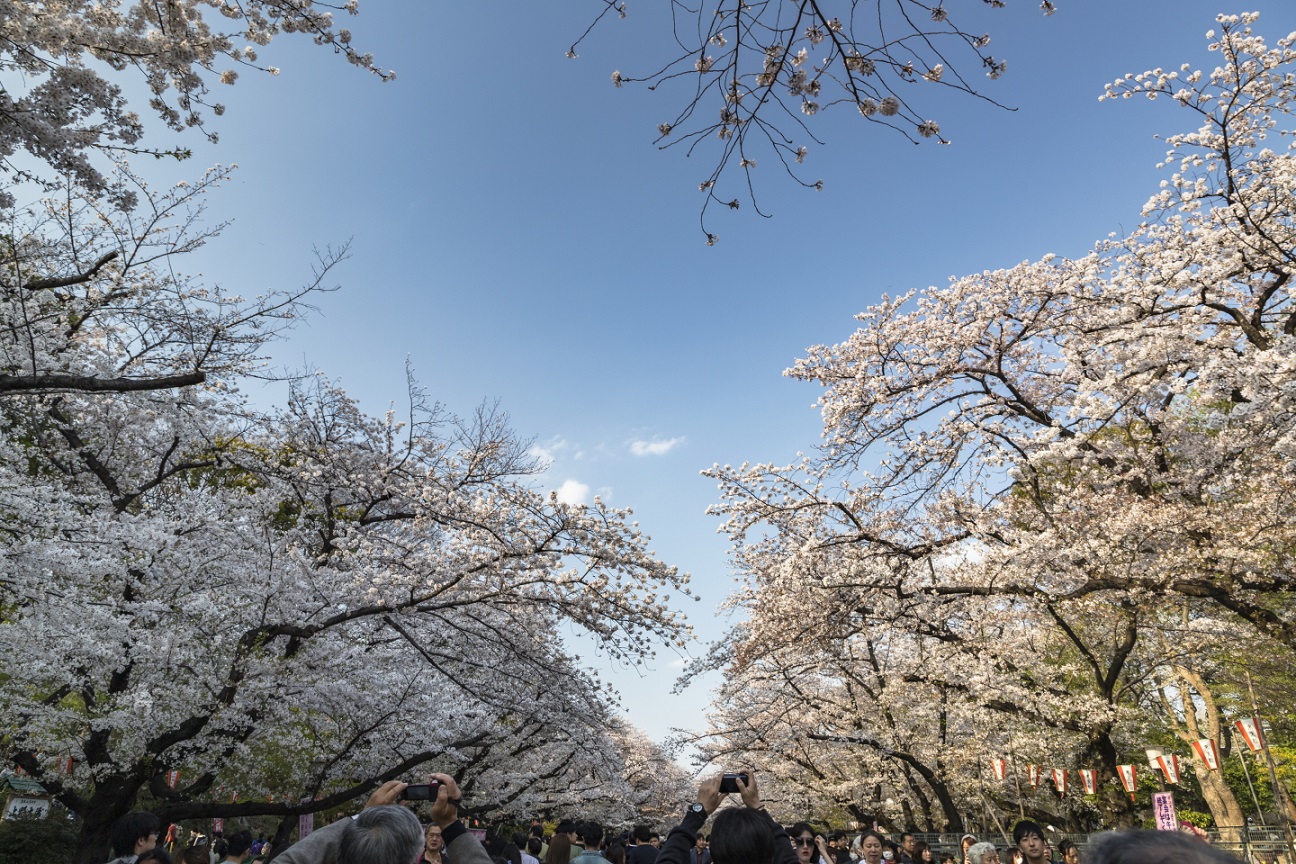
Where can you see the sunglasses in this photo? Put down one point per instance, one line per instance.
(803, 841)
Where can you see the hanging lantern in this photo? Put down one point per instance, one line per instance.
(1252, 734)
(1169, 765)
(1129, 778)
(1208, 753)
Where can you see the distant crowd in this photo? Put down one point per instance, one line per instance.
(387, 831)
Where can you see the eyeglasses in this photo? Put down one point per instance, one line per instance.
(802, 841)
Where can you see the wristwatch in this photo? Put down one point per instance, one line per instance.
(697, 808)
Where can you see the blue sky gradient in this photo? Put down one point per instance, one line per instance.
(517, 236)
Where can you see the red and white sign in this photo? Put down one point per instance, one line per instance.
(1129, 778)
(1208, 752)
(1060, 780)
(65, 765)
(1251, 733)
(1089, 779)
(1034, 773)
(173, 779)
(1169, 765)
(1000, 768)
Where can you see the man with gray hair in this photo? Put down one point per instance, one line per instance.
(983, 853)
(386, 833)
(1154, 847)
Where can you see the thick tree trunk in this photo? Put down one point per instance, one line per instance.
(1114, 804)
(1223, 804)
(283, 834)
(112, 799)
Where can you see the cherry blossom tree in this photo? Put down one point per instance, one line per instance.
(657, 783)
(753, 75)
(89, 304)
(1045, 463)
(301, 602)
(64, 64)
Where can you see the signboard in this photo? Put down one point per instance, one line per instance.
(27, 808)
(305, 825)
(1163, 808)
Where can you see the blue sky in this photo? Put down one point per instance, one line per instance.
(517, 236)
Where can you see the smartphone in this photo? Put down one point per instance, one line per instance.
(729, 782)
(420, 792)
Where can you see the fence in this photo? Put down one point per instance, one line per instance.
(1258, 844)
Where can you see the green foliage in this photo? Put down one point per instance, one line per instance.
(1194, 817)
(39, 841)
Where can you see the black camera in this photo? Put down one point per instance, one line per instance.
(729, 782)
(420, 792)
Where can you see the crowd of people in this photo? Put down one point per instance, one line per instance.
(386, 832)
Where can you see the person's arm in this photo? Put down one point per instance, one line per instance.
(319, 847)
(460, 846)
(683, 837)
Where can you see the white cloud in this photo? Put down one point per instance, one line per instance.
(573, 492)
(678, 663)
(549, 450)
(656, 447)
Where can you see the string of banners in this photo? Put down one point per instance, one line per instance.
(1206, 750)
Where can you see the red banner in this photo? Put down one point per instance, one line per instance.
(1034, 773)
(1000, 768)
(1169, 765)
(173, 779)
(1129, 778)
(1060, 780)
(1089, 779)
(1252, 734)
(1208, 753)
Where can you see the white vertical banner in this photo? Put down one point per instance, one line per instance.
(1208, 752)
(1251, 733)
(1060, 780)
(1000, 768)
(1129, 778)
(1089, 779)
(1169, 765)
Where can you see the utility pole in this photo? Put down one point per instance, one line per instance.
(1279, 798)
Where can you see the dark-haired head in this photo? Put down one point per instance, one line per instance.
(591, 834)
(740, 835)
(1026, 828)
(799, 833)
(130, 830)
